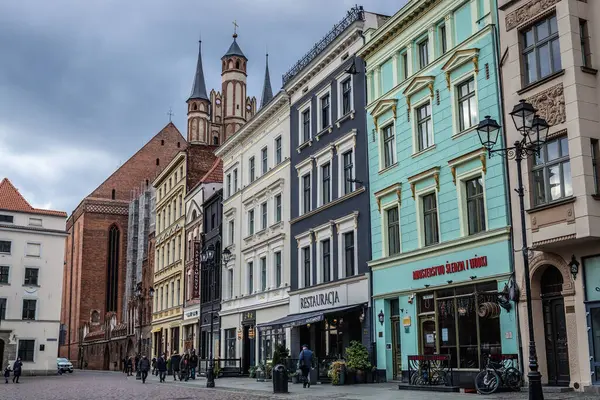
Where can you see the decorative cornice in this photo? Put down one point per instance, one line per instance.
(395, 187)
(432, 172)
(459, 58)
(550, 104)
(527, 12)
(478, 153)
(381, 107)
(416, 84)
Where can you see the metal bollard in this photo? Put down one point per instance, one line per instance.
(280, 379)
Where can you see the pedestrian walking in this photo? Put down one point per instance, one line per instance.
(305, 363)
(175, 361)
(193, 364)
(185, 367)
(17, 369)
(153, 365)
(129, 366)
(124, 361)
(137, 362)
(161, 366)
(6, 372)
(144, 367)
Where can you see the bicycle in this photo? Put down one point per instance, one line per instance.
(496, 374)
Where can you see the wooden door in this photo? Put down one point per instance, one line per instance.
(557, 350)
(396, 349)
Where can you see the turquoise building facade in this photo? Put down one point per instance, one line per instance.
(441, 249)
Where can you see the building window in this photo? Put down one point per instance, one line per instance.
(263, 274)
(346, 96)
(306, 125)
(228, 179)
(393, 231)
(404, 65)
(443, 39)
(422, 48)
(596, 165)
(584, 38)
(424, 129)
(475, 205)
(230, 282)
(252, 172)
(263, 210)
(389, 144)
(306, 193)
(306, 266)
(430, 219)
(6, 219)
(278, 208)
(231, 231)
(230, 341)
(348, 172)
(278, 157)
(4, 270)
(5, 246)
(326, 183)
(265, 160)
(29, 309)
(467, 106)
(250, 277)
(251, 222)
(172, 294)
(31, 276)
(541, 50)
(278, 271)
(26, 350)
(178, 291)
(114, 259)
(326, 259)
(551, 173)
(235, 181)
(2, 309)
(349, 253)
(325, 107)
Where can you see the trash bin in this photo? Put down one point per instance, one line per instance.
(280, 379)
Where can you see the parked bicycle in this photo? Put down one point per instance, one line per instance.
(497, 374)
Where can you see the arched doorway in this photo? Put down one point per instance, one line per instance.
(555, 327)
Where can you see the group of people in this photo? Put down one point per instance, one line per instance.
(142, 364)
(183, 367)
(16, 370)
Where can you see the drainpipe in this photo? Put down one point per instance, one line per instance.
(71, 286)
(507, 192)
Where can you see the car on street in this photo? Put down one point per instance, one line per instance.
(64, 365)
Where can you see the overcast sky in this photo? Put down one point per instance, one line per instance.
(84, 84)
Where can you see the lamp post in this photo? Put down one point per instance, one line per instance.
(533, 131)
(212, 265)
(139, 296)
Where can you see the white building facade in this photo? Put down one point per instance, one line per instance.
(255, 282)
(32, 243)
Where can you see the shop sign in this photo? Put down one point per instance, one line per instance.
(406, 321)
(320, 300)
(191, 314)
(450, 268)
(248, 317)
(196, 287)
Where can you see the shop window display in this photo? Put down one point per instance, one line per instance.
(462, 322)
(268, 340)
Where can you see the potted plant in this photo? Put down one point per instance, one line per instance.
(217, 369)
(357, 358)
(295, 377)
(252, 372)
(336, 372)
(280, 354)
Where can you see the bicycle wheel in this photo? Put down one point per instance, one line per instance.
(513, 378)
(487, 381)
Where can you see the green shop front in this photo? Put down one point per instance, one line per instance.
(452, 307)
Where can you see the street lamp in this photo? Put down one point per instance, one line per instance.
(534, 131)
(208, 258)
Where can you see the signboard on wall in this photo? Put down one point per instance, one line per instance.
(451, 267)
(196, 275)
(333, 296)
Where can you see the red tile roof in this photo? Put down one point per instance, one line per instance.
(11, 200)
(215, 173)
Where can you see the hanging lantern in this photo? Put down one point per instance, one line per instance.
(240, 334)
(251, 333)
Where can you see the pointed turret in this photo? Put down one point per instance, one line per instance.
(267, 92)
(234, 49)
(199, 88)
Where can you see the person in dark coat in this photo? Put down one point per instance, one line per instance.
(175, 361)
(137, 362)
(193, 364)
(153, 365)
(305, 359)
(6, 372)
(144, 366)
(161, 366)
(185, 368)
(129, 366)
(124, 361)
(17, 369)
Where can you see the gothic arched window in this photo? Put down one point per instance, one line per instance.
(215, 140)
(237, 65)
(112, 268)
(194, 107)
(113, 194)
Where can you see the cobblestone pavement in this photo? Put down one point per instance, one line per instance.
(95, 385)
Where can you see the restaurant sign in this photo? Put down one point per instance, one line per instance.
(196, 272)
(451, 268)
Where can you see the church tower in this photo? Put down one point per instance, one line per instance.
(198, 114)
(267, 92)
(237, 107)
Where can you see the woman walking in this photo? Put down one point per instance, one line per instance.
(17, 367)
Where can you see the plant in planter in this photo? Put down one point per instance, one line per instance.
(217, 368)
(295, 377)
(357, 358)
(336, 372)
(252, 372)
(280, 354)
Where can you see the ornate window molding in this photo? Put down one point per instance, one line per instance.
(473, 155)
(418, 83)
(430, 173)
(459, 58)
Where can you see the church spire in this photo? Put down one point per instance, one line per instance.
(267, 92)
(199, 88)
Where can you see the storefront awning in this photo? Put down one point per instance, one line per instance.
(290, 321)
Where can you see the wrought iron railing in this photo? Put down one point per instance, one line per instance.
(225, 366)
(430, 370)
(356, 13)
(501, 360)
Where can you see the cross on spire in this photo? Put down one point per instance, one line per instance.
(170, 113)
(235, 26)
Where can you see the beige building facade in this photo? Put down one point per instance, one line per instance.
(548, 58)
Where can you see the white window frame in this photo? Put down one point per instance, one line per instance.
(247, 275)
(248, 211)
(228, 183)
(266, 214)
(419, 194)
(31, 219)
(10, 268)
(277, 162)
(264, 151)
(390, 121)
(33, 243)
(346, 224)
(231, 282)
(274, 250)
(325, 91)
(304, 240)
(454, 84)
(415, 131)
(322, 233)
(231, 231)
(235, 180)
(385, 248)
(301, 109)
(35, 343)
(11, 246)
(340, 79)
(461, 194)
(303, 168)
(321, 158)
(263, 256)
(343, 145)
(252, 160)
(275, 221)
